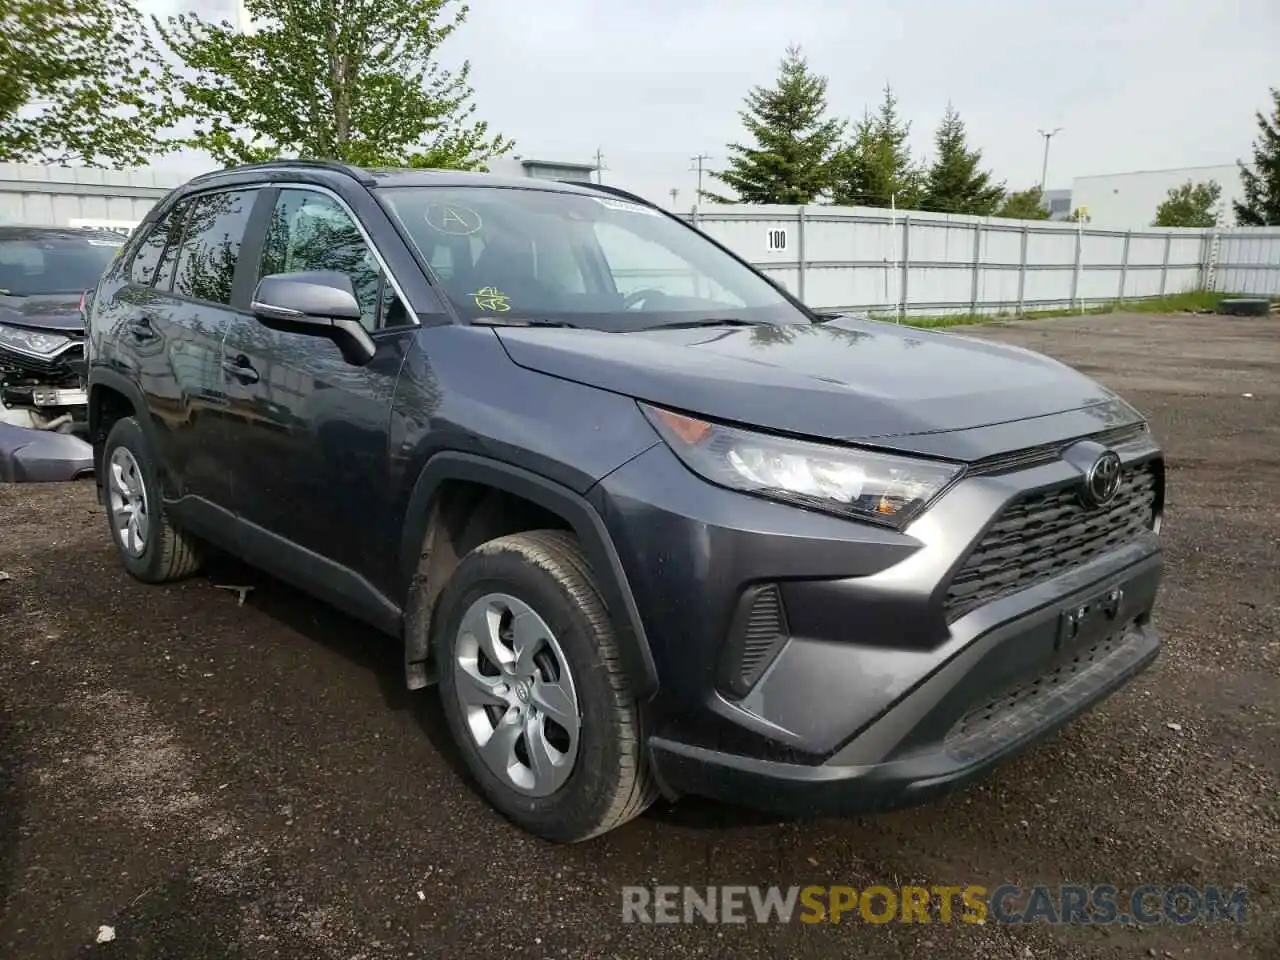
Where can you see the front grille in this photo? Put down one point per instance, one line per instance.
(63, 363)
(1040, 535)
(1048, 452)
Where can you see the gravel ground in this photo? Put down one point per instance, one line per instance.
(217, 780)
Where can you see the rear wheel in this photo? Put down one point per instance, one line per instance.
(149, 546)
(534, 692)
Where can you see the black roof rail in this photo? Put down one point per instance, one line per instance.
(336, 166)
(615, 191)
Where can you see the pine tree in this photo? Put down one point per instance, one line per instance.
(1261, 204)
(851, 167)
(1189, 205)
(954, 182)
(876, 166)
(791, 162)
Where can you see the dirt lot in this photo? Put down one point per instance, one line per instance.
(217, 780)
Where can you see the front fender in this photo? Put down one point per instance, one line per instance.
(611, 579)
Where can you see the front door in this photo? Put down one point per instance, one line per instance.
(311, 466)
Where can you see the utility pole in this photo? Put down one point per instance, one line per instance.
(1044, 167)
(699, 161)
(600, 167)
(675, 192)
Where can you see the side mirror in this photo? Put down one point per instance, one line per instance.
(318, 303)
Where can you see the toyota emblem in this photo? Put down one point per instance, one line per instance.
(1102, 481)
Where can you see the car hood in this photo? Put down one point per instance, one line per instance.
(847, 379)
(52, 312)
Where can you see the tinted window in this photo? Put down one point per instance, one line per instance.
(38, 264)
(211, 245)
(147, 257)
(312, 231)
(168, 259)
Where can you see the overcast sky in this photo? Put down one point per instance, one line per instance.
(1135, 84)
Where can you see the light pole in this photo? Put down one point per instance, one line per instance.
(1044, 167)
(699, 160)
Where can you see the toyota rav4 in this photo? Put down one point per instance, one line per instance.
(655, 526)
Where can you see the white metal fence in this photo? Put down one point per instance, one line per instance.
(836, 258)
(1247, 261)
(882, 261)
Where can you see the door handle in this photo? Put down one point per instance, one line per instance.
(241, 369)
(141, 329)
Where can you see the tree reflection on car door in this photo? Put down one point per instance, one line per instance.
(312, 462)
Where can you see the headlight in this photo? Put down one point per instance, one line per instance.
(35, 342)
(862, 484)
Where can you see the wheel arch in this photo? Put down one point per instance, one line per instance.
(111, 398)
(426, 535)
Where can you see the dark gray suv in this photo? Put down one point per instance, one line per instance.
(656, 527)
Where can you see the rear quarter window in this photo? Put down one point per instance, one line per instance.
(146, 259)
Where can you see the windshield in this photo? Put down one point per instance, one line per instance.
(590, 261)
(36, 265)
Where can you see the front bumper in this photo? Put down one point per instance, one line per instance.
(981, 708)
(42, 456)
(863, 699)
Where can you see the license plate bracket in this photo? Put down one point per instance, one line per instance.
(1082, 618)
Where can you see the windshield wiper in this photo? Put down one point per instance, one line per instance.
(709, 322)
(494, 321)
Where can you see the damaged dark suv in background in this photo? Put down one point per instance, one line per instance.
(654, 526)
(44, 274)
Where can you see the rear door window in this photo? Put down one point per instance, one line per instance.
(206, 265)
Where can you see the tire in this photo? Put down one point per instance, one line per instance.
(1245, 306)
(608, 781)
(163, 552)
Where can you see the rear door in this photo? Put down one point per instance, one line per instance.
(183, 297)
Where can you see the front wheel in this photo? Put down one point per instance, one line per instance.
(534, 691)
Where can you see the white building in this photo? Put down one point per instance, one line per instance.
(1130, 200)
(53, 196)
(542, 169)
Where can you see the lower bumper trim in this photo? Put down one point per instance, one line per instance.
(983, 739)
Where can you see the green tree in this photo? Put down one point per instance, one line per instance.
(955, 182)
(875, 168)
(791, 161)
(1189, 205)
(1024, 205)
(80, 81)
(1261, 204)
(353, 80)
(852, 167)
